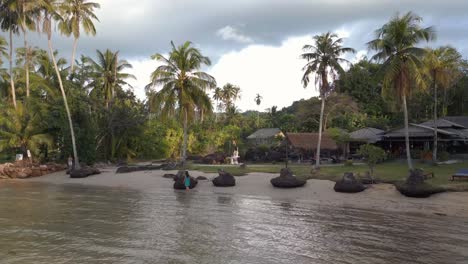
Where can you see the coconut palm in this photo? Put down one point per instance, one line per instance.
(182, 84)
(78, 14)
(50, 15)
(402, 67)
(27, 12)
(323, 59)
(9, 22)
(21, 128)
(107, 74)
(442, 68)
(258, 101)
(231, 93)
(3, 49)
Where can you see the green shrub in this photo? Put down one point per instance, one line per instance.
(348, 163)
(444, 156)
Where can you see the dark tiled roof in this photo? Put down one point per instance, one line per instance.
(368, 134)
(309, 141)
(265, 133)
(461, 120)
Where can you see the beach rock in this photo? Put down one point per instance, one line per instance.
(179, 181)
(202, 178)
(349, 184)
(415, 186)
(84, 172)
(225, 179)
(287, 180)
(169, 176)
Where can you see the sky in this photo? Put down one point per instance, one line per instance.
(254, 44)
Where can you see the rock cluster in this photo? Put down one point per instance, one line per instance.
(415, 186)
(25, 169)
(287, 180)
(84, 172)
(179, 180)
(349, 184)
(225, 179)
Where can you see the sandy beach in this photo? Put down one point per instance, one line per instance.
(377, 197)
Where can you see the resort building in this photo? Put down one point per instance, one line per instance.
(266, 136)
(303, 146)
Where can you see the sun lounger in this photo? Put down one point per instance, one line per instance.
(462, 174)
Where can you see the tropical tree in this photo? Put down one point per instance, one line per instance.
(402, 67)
(107, 74)
(27, 12)
(78, 14)
(3, 49)
(21, 128)
(9, 22)
(442, 66)
(258, 101)
(182, 85)
(231, 93)
(50, 15)
(323, 59)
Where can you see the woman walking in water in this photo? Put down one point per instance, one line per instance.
(187, 181)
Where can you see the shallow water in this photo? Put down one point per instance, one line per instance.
(45, 223)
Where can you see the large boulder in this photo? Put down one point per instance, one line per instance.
(349, 184)
(202, 178)
(415, 186)
(84, 172)
(225, 179)
(179, 180)
(215, 158)
(287, 180)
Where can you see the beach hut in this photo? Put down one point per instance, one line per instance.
(265, 136)
(304, 146)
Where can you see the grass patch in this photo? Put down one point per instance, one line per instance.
(389, 172)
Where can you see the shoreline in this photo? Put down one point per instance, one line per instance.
(377, 197)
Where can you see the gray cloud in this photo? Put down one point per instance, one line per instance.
(141, 28)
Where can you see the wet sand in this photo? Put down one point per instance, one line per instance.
(378, 197)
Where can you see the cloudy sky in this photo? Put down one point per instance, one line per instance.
(255, 43)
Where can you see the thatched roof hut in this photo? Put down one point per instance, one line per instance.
(308, 141)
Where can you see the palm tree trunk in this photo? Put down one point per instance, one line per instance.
(12, 82)
(70, 123)
(434, 150)
(408, 153)
(184, 144)
(444, 108)
(75, 45)
(319, 142)
(26, 62)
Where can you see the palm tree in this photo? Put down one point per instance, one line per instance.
(442, 68)
(79, 14)
(108, 75)
(182, 84)
(3, 49)
(402, 67)
(323, 59)
(21, 128)
(27, 12)
(258, 101)
(9, 22)
(230, 94)
(49, 16)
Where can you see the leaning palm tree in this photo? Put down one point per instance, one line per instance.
(323, 59)
(49, 17)
(78, 14)
(107, 74)
(402, 67)
(442, 69)
(258, 101)
(182, 84)
(9, 22)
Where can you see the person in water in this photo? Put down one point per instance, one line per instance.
(187, 181)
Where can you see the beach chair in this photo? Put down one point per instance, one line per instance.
(461, 174)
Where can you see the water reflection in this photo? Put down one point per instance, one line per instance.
(41, 223)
